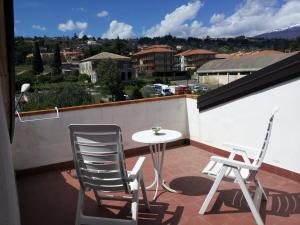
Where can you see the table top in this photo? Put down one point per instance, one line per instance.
(163, 136)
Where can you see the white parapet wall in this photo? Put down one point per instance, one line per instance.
(244, 122)
(45, 142)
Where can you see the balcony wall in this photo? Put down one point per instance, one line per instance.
(46, 142)
(244, 121)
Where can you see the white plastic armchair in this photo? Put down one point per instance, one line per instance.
(100, 167)
(241, 172)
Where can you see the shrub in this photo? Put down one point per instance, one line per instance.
(56, 78)
(24, 78)
(61, 96)
(136, 94)
(147, 91)
(75, 73)
(44, 78)
(70, 78)
(84, 77)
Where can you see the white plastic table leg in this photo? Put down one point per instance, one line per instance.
(157, 155)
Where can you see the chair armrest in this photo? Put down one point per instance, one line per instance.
(233, 163)
(242, 149)
(136, 169)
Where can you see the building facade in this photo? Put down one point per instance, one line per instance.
(219, 72)
(89, 66)
(155, 60)
(193, 59)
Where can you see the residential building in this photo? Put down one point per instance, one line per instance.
(219, 72)
(91, 42)
(193, 58)
(71, 56)
(156, 60)
(89, 65)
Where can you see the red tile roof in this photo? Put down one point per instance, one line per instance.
(154, 49)
(195, 52)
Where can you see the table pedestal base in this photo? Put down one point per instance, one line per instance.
(157, 154)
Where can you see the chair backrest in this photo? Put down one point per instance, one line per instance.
(99, 157)
(259, 160)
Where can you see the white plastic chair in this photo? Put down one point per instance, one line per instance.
(100, 166)
(240, 172)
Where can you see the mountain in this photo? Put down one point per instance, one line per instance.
(291, 32)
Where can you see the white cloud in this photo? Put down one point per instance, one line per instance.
(255, 17)
(252, 17)
(70, 25)
(81, 25)
(119, 29)
(38, 27)
(175, 22)
(81, 33)
(217, 18)
(102, 14)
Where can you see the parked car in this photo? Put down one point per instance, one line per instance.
(197, 88)
(185, 89)
(176, 90)
(162, 89)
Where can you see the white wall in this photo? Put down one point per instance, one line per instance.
(244, 122)
(46, 142)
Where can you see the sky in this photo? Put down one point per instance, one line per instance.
(138, 18)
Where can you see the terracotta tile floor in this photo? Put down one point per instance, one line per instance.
(50, 198)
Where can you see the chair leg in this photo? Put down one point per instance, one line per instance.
(258, 185)
(213, 190)
(135, 200)
(248, 197)
(146, 202)
(97, 198)
(80, 203)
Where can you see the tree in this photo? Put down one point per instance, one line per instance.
(188, 76)
(37, 62)
(118, 46)
(85, 38)
(136, 94)
(56, 63)
(110, 79)
(75, 37)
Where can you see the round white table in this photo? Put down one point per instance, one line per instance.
(157, 144)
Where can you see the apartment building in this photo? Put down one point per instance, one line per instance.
(192, 59)
(155, 60)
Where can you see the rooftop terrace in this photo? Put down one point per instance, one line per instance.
(51, 197)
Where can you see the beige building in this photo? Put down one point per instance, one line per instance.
(193, 59)
(156, 60)
(219, 72)
(89, 65)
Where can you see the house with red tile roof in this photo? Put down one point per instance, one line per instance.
(155, 60)
(193, 58)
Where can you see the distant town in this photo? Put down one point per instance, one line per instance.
(89, 70)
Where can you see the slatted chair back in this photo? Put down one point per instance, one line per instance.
(99, 157)
(259, 160)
